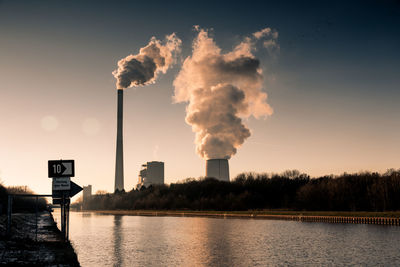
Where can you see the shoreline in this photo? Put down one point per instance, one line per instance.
(379, 218)
(24, 247)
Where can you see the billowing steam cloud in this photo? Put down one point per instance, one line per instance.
(223, 88)
(143, 68)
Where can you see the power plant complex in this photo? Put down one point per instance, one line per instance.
(153, 172)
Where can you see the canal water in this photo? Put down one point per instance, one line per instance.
(123, 240)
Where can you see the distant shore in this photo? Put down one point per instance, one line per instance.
(386, 218)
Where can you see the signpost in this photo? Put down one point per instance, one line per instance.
(63, 188)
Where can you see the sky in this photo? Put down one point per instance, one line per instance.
(333, 86)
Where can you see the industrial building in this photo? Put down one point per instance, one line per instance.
(87, 195)
(218, 168)
(151, 173)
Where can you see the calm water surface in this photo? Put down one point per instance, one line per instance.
(115, 240)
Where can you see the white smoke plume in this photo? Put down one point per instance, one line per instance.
(143, 68)
(222, 89)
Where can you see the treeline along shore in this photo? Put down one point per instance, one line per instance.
(290, 190)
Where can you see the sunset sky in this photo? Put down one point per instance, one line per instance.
(334, 87)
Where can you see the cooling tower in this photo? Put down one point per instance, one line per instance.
(119, 161)
(218, 168)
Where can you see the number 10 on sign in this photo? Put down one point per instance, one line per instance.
(61, 168)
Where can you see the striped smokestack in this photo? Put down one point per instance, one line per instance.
(119, 161)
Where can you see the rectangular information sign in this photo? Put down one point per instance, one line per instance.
(61, 183)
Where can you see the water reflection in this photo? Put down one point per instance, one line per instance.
(151, 243)
(194, 238)
(118, 239)
(108, 240)
(214, 242)
(223, 242)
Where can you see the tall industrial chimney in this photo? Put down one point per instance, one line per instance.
(119, 162)
(218, 168)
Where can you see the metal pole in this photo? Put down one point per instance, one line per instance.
(63, 216)
(36, 217)
(68, 220)
(9, 214)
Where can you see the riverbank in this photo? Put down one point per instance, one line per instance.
(384, 218)
(27, 247)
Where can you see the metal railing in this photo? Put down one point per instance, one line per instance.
(9, 210)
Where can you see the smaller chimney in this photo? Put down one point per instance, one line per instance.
(218, 168)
